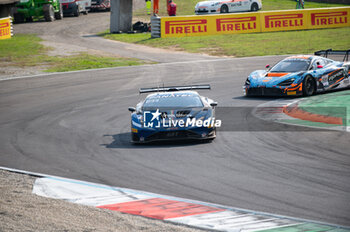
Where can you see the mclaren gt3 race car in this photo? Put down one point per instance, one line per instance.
(300, 75)
(228, 6)
(173, 113)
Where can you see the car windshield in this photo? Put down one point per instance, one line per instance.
(291, 65)
(173, 100)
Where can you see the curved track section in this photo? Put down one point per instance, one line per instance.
(77, 125)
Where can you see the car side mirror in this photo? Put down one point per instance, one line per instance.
(319, 66)
(132, 109)
(267, 66)
(213, 104)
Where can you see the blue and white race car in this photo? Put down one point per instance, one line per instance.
(173, 113)
(228, 6)
(300, 75)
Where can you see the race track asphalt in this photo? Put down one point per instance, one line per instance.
(77, 125)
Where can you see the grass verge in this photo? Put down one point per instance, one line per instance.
(186, 7)
(25, 50)
(242, 45)
(86, 61)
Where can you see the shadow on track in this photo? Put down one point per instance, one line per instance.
(272, 98)
(123, 140)
(256, 98)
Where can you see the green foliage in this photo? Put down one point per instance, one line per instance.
(291, 4)
(20, 47)
(258, 44)
(186, 7)
(86, 61)
(25, 50)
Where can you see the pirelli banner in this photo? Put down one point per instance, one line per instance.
(5, 28)
(267, 21)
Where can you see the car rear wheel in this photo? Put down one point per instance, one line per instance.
(254, 7)
(309, 86)
(224, 9)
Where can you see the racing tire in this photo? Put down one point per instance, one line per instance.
(309, 86)
(59, 14)
(224, 9)
(254, 7)
(49, 13)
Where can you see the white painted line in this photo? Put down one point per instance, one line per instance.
(257, 224)
(271, 227)
(82, 194)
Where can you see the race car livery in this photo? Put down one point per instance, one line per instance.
(228, 6)
(300, 75)
(173, 113)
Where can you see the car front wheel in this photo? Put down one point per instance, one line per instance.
(309, 86)
(224, 9)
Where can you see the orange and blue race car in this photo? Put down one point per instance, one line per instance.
(302, 75)
(227, 6)
(173, 113)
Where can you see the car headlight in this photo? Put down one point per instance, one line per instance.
(287, 82)
(215, 4)
(140, 118)
(247, 82)
(256, 75)
(324, 78)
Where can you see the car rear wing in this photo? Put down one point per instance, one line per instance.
(325, 53)
(173, 88)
